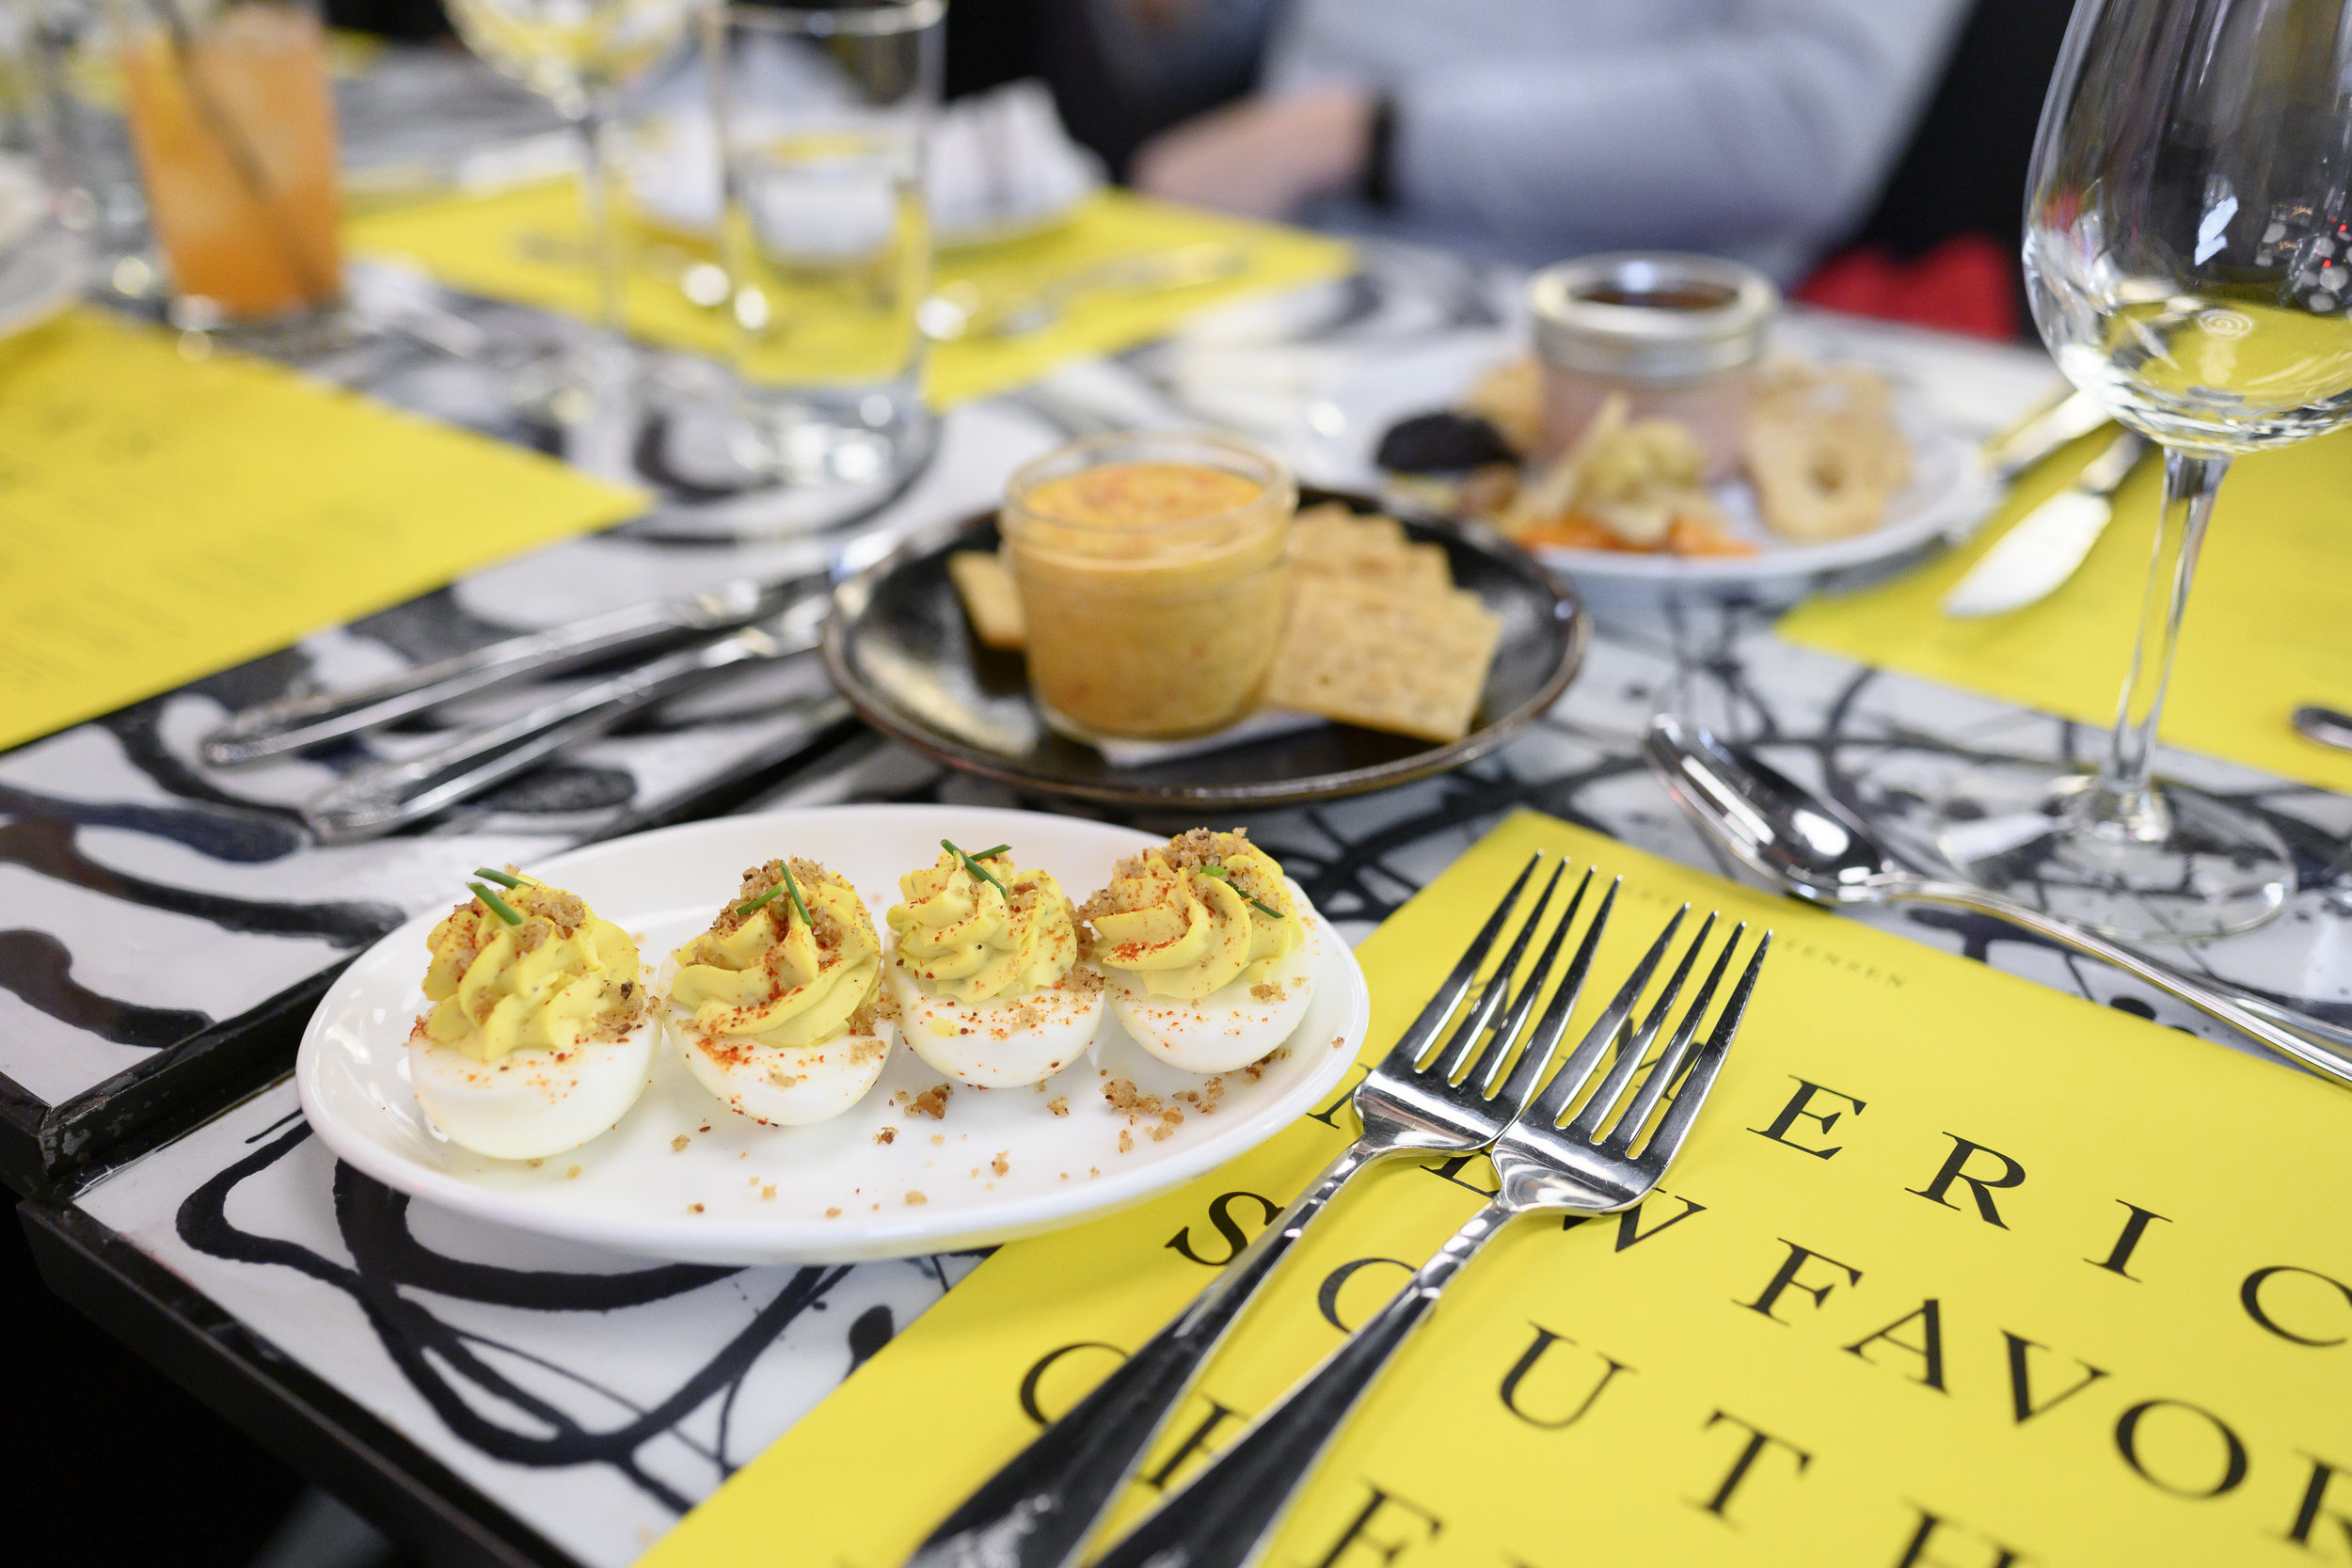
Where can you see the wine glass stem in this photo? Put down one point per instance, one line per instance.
(2125, 798)
(604, 240)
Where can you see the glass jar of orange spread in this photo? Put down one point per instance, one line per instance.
(1151, 572)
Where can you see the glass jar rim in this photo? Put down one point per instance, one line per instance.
(1272, 477)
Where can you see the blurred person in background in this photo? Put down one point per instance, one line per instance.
(1537, 129)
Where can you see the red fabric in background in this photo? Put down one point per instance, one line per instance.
(1966, 284)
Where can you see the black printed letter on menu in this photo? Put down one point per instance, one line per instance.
(1980, 1181)
(1797, 1259)
(1799, 1104)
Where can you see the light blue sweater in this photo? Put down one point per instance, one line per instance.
(1541, 129)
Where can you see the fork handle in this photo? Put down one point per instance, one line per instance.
(1226, 1515)
(2303, 1040)
(1040, 1510)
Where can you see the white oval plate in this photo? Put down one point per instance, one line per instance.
(633, 1193)
(1948, 495)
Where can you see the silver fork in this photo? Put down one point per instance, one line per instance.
(1226, 1515)
(1040, 1510)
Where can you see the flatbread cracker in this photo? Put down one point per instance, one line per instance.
(992, 599)
(1410, 662)
(1332, 541)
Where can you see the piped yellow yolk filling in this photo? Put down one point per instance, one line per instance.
(774, 978)
(970, 939)
(1185, 932)
(561, 976)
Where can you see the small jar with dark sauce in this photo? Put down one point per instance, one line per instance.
(1679, 335)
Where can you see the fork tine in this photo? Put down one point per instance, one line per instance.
(1678, 1051)
(1636, 1044)
(1407, 1053)
(1667, 1142)
(1489, 1067)
(1456, 1052)
(1546, 1040)
(1553, 1102)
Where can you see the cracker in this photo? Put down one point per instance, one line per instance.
(1408, 661)
(1330, 541)
(992, 599)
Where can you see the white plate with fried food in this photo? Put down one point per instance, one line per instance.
(1844, 471)
(918, 1164)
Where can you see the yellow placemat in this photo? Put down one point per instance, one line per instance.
(525, 245)
(2269, 623)
(1953, 1265)
(161, 519)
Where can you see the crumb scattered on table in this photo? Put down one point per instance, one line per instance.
(1001, 1164)
(1060, 1104)
(931, 1102)
(888, 1135)
(677, 1145)
(916, 1200)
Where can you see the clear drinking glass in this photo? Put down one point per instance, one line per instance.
(2186, 238)
(823, 114)
(80, 62)
(578, 54)
(234, 128)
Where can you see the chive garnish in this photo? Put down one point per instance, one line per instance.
(788, 885)
(972, 864)
(503, 879)
(1227, 878)
(498, 907)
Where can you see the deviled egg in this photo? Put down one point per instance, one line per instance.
(540, 1037)
(985, 966)
(779, 1008)
(1208, 962)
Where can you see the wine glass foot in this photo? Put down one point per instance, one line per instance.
(2189, 867)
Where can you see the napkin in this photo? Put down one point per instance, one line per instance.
(2265, 631)
(997, 163)
(1954, 1266)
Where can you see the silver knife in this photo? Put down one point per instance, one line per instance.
(295, 723)
(2050, 426)
(2042, 548)
(376, 800)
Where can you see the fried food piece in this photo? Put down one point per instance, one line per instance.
(1410, 662)
(1823, 452)
(1510, 397)
(992, 599)
(1634, 478)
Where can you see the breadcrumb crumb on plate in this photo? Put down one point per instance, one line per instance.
(1036, 1161)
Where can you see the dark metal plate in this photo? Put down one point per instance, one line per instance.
(900, 651)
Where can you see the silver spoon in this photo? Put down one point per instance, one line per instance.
(1813, 850)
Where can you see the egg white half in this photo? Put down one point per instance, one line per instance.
(1000, 1043)
(531, 1104)
(1227, 1029)
(782, 1085)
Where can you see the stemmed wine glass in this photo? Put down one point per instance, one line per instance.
(577, 54)
(2188, 247)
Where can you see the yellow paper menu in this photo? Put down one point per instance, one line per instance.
(2265, 630)
(523, 245)
(1956, 1272)
(161, 519)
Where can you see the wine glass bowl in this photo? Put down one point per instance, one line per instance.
(577, 54)
(567, 50)
(2188, 258)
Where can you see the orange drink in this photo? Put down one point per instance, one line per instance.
(235, 136)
